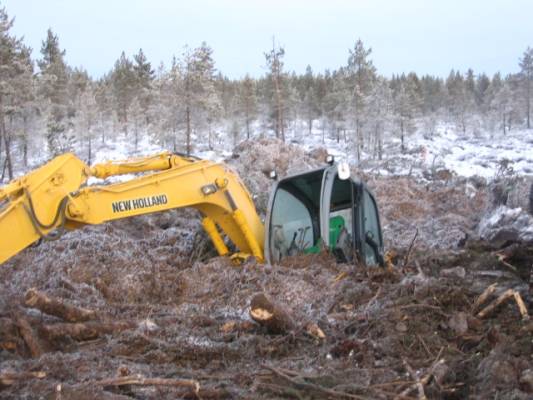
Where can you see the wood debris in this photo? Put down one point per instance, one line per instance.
(9, 378)
(57, 307)
(86, 330)
(270, 314)
(142, 381)
(505, 296)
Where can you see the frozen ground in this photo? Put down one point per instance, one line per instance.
(157, 316)
(163, 311)
(484, 155)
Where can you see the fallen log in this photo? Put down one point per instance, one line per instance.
(86, 330)
(27, 333)
(9, 378)
(521, 306)
(507, 295)
(142, 381)
(271, 315)
(484, 296)
(57, 307)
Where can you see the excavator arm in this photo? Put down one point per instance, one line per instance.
(55, 197)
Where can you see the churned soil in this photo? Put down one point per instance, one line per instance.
(160, 317)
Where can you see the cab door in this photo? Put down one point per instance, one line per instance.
(325, 202)
(339, 214)
(372, 238)
(349, 213)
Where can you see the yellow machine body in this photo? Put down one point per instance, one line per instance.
(55, 196)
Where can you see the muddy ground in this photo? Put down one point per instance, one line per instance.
(160, 306)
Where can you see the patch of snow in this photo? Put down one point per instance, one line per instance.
(506, 224)
(482, 154)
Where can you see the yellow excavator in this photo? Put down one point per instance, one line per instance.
(323, 209)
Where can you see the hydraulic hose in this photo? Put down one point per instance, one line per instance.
(39, 226)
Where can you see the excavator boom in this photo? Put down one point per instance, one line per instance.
(55, 197)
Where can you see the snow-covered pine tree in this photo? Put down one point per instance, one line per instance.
(135, 121)
(491, 114)
(107, 115)
(124, 84)
(321, 87)
(481, 90)
(25, 102)
(526, 71)
(248, 103)
(516, 100)
(86, 120)
(406, 104)
(78, 83)
(15, 86)
(227, 93)
(209, 107)
(196, 92)
(379, 115)
(53, 87)
(461, 98)
(469, 102)
(431, 102)
(274, 62)
(171, 94)
(360, 77)
(310, 108)
(292, 107)
(500, 106)
(158, 111)
(144, 77)
(335, 105)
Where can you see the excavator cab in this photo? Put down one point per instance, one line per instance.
(319, 210)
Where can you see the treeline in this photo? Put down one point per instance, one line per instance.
(46, 101)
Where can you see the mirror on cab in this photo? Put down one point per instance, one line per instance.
(343, 170)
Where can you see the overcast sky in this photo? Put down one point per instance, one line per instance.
(426, 36)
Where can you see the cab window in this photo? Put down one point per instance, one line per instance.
(371, 229)
(294, 219)
(291, 226)
(341, 220)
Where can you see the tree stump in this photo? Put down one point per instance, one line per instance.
(271, 315)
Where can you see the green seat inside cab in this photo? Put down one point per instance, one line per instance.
(336, 225)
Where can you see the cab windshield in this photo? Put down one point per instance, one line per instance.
(294, 224)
